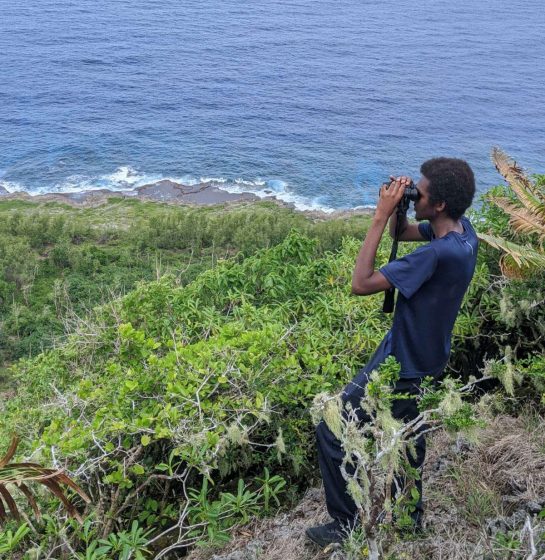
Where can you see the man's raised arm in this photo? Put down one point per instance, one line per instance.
(408, 232)
(365, 279)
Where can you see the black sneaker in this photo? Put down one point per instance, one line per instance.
(324, 535)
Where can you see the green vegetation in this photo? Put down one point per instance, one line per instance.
(171, 384)
(58, 262)
(193, 343)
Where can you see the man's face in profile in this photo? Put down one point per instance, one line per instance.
(422, 207)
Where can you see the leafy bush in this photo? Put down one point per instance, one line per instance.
(216, 375)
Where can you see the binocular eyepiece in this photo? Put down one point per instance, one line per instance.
(411, 193)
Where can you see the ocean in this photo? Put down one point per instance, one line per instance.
(313, 101)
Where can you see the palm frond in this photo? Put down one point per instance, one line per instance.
(522, 221)
(8, 499)
(18, 474)
(510, 269)
(30, 498)
(522, 255)
(531, 196)
(10, 452)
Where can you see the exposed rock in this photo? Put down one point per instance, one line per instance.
(514, 522)
(252, 551)
(534, 507)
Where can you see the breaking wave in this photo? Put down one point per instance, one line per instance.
(127, 179)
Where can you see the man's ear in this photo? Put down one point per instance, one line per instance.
(440, 206)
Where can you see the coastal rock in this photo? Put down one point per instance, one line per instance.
(200, 194)
(203, 194)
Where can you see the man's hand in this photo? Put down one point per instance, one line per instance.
(391, 195)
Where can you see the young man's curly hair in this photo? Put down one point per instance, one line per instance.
(452, 182)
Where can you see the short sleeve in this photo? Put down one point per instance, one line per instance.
(408, 273)
(425, 231)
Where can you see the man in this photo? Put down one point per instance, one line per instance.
(431, 282)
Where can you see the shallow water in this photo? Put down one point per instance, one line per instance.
(313, 100)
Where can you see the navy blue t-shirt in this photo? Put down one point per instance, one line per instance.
(431, 283)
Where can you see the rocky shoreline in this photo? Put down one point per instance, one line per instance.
(170, 192)
(161, 191)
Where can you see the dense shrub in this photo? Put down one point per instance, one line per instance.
(78, 258)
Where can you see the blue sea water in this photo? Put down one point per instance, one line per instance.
(315, 100)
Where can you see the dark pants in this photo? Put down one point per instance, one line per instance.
(330, 453)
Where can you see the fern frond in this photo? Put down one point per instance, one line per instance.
(522, 255)
(531, 196)
(522, 220)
